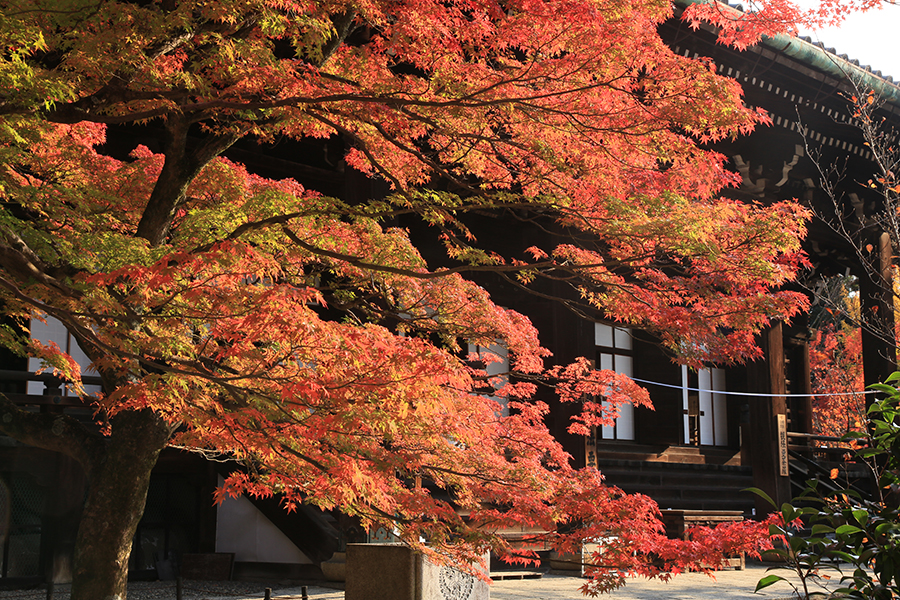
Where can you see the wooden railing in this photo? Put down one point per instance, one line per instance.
(53, 394)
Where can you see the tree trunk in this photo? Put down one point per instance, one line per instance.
(117, 492)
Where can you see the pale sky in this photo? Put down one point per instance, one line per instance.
(872, 37)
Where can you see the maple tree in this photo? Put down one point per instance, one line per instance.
(836, 365)
(835, 359)
(307, 336)
(743, 27)
(836, 356)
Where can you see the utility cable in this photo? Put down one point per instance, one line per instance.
(692, 389)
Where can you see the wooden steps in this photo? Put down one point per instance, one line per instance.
(679, 485)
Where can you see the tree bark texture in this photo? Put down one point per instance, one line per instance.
(117, 493)
(180, 168)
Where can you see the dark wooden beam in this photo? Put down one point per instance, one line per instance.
(876, 299)
(766, 377)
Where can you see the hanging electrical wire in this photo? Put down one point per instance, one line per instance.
(760, 395)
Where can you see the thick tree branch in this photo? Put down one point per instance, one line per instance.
(359, 262)
(17, 258)
(180, 167)
(342, 28)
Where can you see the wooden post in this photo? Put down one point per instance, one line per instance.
(767, 378)
(804, 386)
(876, 298)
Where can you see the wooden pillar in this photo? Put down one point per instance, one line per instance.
(767, 377)
(800, 378)
(876, 299)
(206, 525)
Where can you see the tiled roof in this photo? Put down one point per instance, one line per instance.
(818, 56)
(846, 58)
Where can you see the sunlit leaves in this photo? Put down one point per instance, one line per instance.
(225, 330)
(574, 108)
(309, 337)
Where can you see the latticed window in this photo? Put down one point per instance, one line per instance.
(56, 332)
(21, 508)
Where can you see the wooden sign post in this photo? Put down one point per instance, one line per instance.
(782, 445)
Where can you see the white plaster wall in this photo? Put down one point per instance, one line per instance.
(242, 529)
(55, 331)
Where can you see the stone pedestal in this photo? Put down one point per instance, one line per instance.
(395, 572)
(335, 568)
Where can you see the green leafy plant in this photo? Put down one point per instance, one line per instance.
(844, 530)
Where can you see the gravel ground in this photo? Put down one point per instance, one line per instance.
(726, 585)
(163, 590)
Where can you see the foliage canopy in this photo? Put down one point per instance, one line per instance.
(309, 336)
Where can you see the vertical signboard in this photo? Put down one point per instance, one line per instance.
(590, 449)
(782, 446)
